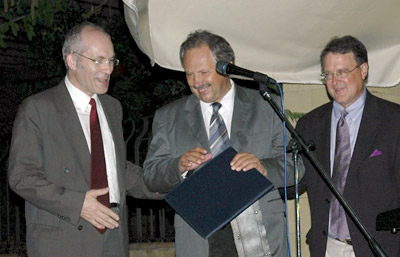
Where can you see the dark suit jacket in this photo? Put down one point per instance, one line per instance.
(179, 127)
(49, 166)
(373, 182)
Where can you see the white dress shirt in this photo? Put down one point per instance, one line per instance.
(226, 110)
(81, 102)
(248, 228)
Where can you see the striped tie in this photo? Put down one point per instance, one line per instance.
(221, 243)
(219, 139)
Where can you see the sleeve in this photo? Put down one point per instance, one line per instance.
(135, 183)
(276, 163)
(29, 177)
(161, 172)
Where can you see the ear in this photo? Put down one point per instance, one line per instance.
(71, 61)
(364, 70)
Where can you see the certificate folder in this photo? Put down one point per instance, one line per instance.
(215, 194)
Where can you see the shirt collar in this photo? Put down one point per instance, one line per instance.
(353, 108)
(226, 101)
(81, 100)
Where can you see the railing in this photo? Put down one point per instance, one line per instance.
(148, 220)
(12, 220)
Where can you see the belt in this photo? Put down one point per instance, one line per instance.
(114, 205)
(346, 241)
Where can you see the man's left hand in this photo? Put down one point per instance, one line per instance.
(247, 161)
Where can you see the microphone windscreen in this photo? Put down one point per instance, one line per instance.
(221, 67)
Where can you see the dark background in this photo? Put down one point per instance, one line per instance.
(31, 61)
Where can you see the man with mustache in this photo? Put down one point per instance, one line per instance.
(181, 144)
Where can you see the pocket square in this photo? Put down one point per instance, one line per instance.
(376, 152)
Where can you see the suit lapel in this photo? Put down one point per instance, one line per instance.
(195, 122)
(366, 134)
(194, 119)
(119, 143)
(321, 135)
(324, 141)
(113, 124)
(72, 130)
(240, 118)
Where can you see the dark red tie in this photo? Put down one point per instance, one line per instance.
(98, 174)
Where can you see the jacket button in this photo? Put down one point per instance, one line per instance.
(327, 200)
(66, 170)
(324, 233)
(80, 227)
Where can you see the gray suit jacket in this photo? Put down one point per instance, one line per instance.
(372, 184)
(179, 127)
(49, 166)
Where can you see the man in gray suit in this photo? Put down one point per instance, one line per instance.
(180, 143)
(50, 157)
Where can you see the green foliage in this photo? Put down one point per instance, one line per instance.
(140, 88)
(294, 116)
(24, 16)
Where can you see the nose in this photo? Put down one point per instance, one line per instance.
(334, 79)
(197, 80)
(107, 68)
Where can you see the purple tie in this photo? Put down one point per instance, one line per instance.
(340, 169)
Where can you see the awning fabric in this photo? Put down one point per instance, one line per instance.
(282, 39)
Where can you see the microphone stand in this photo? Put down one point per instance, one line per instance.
(295, 148)
(306, 150)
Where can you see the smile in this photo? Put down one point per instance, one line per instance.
(202, 88)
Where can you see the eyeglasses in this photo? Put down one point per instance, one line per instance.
(340, 74)
(100, 61)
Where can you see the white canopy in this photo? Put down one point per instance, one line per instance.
(282, 39)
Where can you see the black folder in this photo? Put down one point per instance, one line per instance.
(215, 194)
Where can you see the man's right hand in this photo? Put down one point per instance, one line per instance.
(96, 213)
(193, 159)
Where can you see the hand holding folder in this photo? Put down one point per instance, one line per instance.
(215, 194)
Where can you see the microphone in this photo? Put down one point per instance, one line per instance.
(226, 68)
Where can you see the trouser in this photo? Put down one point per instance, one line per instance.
(112, 246)
(336, 248)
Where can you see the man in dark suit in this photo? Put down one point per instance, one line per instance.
(50, 158)
(180, 144)
(370, 157)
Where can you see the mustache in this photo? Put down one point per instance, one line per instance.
(203, 86)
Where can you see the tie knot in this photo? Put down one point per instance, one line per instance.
(92, 102)
(343, 114)
(216, 106)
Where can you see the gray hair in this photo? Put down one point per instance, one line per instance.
(73, 40)
(220, 48)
